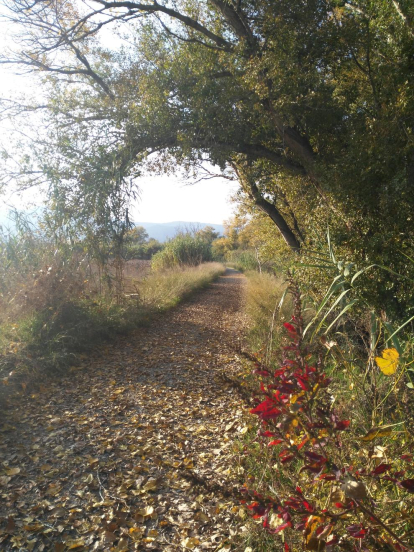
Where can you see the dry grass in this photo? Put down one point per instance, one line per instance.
(160, 290)
(267, 306)
(54, 322)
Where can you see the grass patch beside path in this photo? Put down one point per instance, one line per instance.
(49, 340)
(267, 307)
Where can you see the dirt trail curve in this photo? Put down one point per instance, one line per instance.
(133, 451)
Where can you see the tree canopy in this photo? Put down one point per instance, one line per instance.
(309, 104)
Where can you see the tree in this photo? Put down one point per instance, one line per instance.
(208, 234)
(138, 245)
(316, 94)
(137, 235)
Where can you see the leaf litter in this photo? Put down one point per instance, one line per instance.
(134, 452)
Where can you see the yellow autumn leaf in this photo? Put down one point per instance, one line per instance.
(12, 471)
(388, 362)
(151, 485)
(146, 512)
(72, 545)
(376, 432)
(311, 525)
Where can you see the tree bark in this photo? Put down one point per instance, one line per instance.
(270, 209)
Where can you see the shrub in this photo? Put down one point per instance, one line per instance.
(327, 481)
(183, 250)
(242, 259)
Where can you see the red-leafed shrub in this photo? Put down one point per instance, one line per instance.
(317, 489)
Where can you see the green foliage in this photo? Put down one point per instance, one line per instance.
(310, 105)
(183, 250)
(242, 259)
(137, 234)
(138, 245)
(207, 234)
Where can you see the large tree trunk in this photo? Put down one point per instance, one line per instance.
(276, 216)
(250, 187)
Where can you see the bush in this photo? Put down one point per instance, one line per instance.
(334, 472)
(183, 250)
(143, 251)
(242, 259)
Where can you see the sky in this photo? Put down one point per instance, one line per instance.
(166, 199)
(162, 198)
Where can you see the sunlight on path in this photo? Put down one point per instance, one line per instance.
(133, 451)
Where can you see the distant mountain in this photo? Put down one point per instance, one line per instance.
(162, 231)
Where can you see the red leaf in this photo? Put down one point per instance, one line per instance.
(307, 506)
(314, 468)
(266, 410)
(388, 478)
(287, 459)
(340, 426)
(356, 531)
(261, 373)
(258, 509)
(304, 441)
(271, 414)
(287, 549)
(282, 527)
(407, 484)
(275, 442)
(381, 469)
(262, 407)
(316, 457)
(290, 328)
(302, 384)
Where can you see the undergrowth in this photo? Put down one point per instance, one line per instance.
(267, 305)
(49, 326)
(331, 465)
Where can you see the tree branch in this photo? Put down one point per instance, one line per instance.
(406, 20)
(236, 20)
(155, 7)
(250, 187)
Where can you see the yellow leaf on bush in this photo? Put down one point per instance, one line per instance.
(388, 362)
(376, 432)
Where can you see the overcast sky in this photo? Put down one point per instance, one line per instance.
(163, 198)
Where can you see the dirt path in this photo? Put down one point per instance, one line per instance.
(134, 451)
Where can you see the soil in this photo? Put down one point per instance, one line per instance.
(134, 450)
